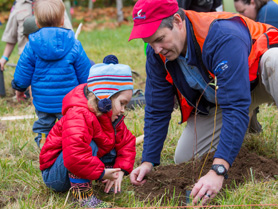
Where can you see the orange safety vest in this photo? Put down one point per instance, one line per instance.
(263, 37)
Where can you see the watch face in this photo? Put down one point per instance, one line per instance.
(221, 169)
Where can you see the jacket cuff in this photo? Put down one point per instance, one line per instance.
(101, 176)
(14, 86)
(125, 172)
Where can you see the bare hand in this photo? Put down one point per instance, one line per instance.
(2, 63)
(111, 173)
(117, 183)
(20, 96)
(207, 188)
(138, 174)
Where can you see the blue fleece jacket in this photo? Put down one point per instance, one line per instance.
(53, 62)
(268, 14)
(225, 53)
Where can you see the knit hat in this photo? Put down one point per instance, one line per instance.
(108, 78)
(29, 25)
(148, 15)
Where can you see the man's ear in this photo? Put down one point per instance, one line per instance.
(177, 20)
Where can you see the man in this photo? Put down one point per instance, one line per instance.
(190, 53)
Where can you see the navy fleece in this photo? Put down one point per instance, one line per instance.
(225, 53)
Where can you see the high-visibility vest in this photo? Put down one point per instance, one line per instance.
(263, 37)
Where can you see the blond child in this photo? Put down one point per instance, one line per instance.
(53, 62)
(13, 33)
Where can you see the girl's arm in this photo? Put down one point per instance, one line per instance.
(77, 135)
(125, 148)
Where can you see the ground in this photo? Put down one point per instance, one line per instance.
(181, 177)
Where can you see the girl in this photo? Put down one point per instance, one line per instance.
(91, 141)
(264, 11)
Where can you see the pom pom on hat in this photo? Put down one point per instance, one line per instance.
(104, 105)
(111, 59)
(108, 78)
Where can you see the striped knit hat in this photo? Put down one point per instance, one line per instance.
(108, 78)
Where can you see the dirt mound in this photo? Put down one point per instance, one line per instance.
(164, 180)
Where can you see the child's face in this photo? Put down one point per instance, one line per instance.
(119, 104)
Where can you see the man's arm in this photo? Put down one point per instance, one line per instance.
(7, 52)
(159, 95)
(226, 53)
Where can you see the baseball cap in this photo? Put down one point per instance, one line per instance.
(148, 14)
(29, 25)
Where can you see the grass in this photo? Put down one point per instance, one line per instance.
(21, 185)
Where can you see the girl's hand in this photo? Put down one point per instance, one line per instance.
(111, 173)
(117, 183)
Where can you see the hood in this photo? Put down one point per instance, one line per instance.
(52, 43)
(75, 97)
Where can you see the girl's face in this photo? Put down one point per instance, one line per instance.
(119, 103)
(248, 10)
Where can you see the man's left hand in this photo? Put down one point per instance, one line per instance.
(207, 188)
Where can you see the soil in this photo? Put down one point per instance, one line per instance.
(182, 177)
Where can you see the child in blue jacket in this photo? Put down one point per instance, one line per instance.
(53, 62)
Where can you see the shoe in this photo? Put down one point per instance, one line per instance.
(138, 99)
(94, 202)
(255, 126)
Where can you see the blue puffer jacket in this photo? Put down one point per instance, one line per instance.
(53, 62)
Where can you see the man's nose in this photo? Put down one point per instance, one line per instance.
(157, 48)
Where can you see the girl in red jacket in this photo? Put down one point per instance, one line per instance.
(91, 140)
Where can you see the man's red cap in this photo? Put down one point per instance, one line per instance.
(148, 14)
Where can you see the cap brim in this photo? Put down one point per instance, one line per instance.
(144, 30)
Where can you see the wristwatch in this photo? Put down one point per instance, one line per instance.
(220, 170)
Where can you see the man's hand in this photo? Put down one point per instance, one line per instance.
(117, 183)
(2, 63)
(20, 96)
(207, 188)
(111, 173)
(138, 174)
(209, 185)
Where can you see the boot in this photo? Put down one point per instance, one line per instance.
(255, 126)
(83, 193)
(94, 202)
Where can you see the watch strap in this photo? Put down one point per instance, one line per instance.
(215, 168)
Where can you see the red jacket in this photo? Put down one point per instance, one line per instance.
(73, 133)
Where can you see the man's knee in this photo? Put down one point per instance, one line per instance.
(182, 158)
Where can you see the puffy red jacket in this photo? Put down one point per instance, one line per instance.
(73, 133)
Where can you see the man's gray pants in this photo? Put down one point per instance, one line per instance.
(196, 138)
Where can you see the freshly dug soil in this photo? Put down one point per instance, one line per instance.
(164, 180)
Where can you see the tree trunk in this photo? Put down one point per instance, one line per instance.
(90, 5)
(120, 13)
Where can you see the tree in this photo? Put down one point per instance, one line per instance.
(120, 15)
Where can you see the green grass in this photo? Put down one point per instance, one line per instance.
(21, 185)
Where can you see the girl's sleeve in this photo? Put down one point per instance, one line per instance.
(125, 148)
(77, 152)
